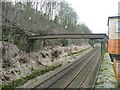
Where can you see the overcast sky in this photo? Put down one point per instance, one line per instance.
(95, 13)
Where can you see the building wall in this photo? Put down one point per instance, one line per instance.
(113, 34)
(114, 46)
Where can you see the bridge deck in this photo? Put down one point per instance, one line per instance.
(70, 36)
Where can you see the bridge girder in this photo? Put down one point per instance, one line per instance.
(104, 37)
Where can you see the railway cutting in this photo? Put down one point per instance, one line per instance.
(80, 74)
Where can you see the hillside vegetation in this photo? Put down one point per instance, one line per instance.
(22, 58)
(23, 19)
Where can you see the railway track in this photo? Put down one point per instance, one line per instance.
(80, 74)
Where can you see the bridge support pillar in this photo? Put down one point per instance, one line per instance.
(103, 48)
(30, 45)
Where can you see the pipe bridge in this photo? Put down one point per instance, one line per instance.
(71, 36)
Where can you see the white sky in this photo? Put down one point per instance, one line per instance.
(95, 13)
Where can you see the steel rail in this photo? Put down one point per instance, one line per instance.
(93, 66)
(69, 81)
(89, 61)
(65, 70)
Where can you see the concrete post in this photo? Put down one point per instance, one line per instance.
(117, 70)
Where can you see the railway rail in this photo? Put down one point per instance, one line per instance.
(80, 74)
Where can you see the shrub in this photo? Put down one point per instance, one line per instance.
(18, 82)
(64, 42)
